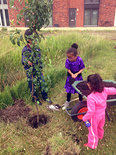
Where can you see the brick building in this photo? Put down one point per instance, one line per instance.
(68, 13)
(8, 14)
(79, 13)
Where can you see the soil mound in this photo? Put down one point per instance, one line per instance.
(32, 121)
(14, 112)
(20, 109)
(82, 86)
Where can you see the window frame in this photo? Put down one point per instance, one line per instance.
(5, 19)
(91, 10)
(91, 2)
(91, 5)
(4, 1)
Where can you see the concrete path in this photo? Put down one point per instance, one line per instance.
(67, 28)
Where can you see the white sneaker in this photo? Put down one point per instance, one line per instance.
(65, 105)
(53, 107)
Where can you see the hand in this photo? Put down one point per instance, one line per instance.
(74, 76)
(30, 63)
(83, 119)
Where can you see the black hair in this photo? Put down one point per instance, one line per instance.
(28, 33)
(96, 83)
(72, 51)
(74, 45)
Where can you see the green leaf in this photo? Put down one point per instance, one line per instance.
(13, 41)
(21, 37)
(18, 31)
(18, 41)
(18, 23)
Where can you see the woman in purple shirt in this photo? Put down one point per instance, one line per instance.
(74, 65)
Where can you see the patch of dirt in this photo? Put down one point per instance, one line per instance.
(15, 112)
(20, 109)
(48, 151)
(74, 137)
(32, 121)
(82, 86)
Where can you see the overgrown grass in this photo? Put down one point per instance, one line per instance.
(53, 49)
(11, 69)
(98, 55)
(58, 135)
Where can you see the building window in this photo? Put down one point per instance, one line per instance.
(92, 1)
(91, 17)
(7, 17)
(4, 16)
(1, 18)
(91, 10)
(4, 1)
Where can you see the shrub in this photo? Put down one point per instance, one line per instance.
(5, 98)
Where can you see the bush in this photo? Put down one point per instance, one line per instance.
(5, 98)
(22, 89)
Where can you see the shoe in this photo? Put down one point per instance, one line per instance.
(65, 105)
(53, 107)
(38, 102)
(85, 145)
(33, 100)
(48, 100)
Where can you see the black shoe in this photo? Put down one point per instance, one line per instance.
(33, 100)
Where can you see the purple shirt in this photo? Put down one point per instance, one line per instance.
(74, 67)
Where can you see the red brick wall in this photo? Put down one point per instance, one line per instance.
(61, 12)
(13, 13)
(107, 12)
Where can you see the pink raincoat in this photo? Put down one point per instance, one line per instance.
(96, 103)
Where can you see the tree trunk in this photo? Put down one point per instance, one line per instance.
(35, 99)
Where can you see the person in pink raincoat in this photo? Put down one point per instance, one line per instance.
(96, 104)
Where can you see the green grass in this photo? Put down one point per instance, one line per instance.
(56, 137)
(11, 68)
(53, 51)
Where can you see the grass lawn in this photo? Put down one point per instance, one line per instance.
(60, 136)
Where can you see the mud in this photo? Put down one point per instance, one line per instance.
(82, 86)
(48, 151)
(15, 112)
(20, 110)
(32, 121)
